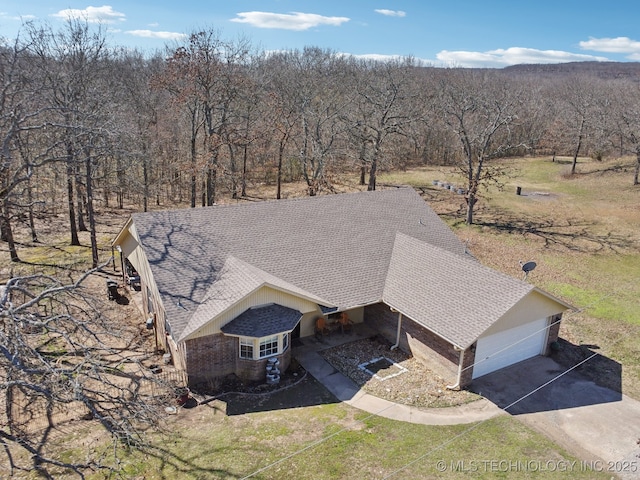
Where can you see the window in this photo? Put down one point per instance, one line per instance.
(246, 348)
(257, 348)
(269, 346)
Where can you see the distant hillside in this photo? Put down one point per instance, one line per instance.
(604, 70)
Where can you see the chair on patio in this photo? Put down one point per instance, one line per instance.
(346, 324)
(321, 327)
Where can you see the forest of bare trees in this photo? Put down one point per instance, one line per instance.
(85, 122)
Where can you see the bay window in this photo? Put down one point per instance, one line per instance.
(257, 348)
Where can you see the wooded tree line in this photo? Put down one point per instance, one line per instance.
(85, 122)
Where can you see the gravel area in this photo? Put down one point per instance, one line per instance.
(398, 376)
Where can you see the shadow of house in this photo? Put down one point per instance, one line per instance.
(541, 384)
(308, 392)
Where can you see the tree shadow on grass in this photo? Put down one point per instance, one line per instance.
(573, 235)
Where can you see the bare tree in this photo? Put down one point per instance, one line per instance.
(59, 355)
(624, 120)
(22, 118)
(480, 108)
(318, 79)
(386, 107)
(576, 97)
(69, 61)
(281, 111)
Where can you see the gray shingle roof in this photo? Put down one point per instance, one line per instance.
(263, 321)
(235, 281)
(452, 295)
(336, 248)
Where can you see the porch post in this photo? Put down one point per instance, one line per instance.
(399, 329)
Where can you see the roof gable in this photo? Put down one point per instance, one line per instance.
(452, 295)
(236, 281)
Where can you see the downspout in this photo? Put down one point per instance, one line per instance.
(393, 347)
(456, 386)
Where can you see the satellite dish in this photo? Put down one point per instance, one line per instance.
(527, 267)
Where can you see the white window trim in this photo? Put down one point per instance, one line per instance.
(246, 341)
(283, 345)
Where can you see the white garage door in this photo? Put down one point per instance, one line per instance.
(505, 348)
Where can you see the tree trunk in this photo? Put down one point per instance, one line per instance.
(279, 175)
(243, 191)
(121, 182)
(72, 214)
(82, 227)
(90, 213)
(637, 170)
(471, 202)
(145, 178)
(193, 171)
(7, 231)
(363, 164)
(32, 224)
(577, 150)
(374, 163)
(372, 175)
(211, 185)
(233, 169)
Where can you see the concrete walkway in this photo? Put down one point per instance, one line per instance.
(345, 390)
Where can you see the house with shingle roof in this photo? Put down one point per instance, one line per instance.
(229, 287)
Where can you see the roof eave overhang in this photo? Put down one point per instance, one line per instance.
(123, 231)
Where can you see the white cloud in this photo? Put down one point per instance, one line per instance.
(612, 45)
(287, 21)
(390, 13)
(511, 56)
(153, 34)
(103, 14)
(21, 18)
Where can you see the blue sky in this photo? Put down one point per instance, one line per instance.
(457, 33)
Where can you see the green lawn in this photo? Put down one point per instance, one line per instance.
(337, 441)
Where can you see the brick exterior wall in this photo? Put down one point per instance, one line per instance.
(554, 332)
(467, 366)
(437, 354)
(216, 356)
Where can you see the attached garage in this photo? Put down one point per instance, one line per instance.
(505, 348)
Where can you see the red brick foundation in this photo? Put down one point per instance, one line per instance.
(216, 356)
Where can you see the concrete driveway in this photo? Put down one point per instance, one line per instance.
(594, 423)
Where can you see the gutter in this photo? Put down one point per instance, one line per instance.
(456, 386)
